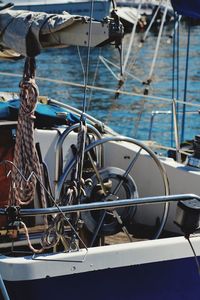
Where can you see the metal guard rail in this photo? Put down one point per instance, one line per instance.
(102, 205)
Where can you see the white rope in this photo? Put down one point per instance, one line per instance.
(97, 88)
(131, 62)
(93, 82)
(150, 24)
(157, 45)
(130, 45)
(106, 62)
(82, 66)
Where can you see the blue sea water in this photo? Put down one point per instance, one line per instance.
(128, 114)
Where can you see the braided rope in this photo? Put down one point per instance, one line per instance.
(26, 170)
(25, 155)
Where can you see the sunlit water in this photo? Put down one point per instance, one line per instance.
(128, 114)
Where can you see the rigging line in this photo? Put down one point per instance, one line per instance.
(81, 139)
(114, 4)
(157, 46)
(177, 22)
(83, 130)
(120, 49)
(144, 101)
(138, 119)
(173, 80)
(185, 85)
(131, 38)
(178, 55)
(176, 132)
(150, 24)
(173, 83)
(82, 66)
(132, 62)
(132, 76)
(175, 67)
(88, 56)
(103, 60)
(94, 79)
(175, 41)
(106, 62)
(98, 88)
(195, 256)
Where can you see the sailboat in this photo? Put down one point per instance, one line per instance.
(86, 212)
(100, 8)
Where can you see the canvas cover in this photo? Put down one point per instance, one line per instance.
(21, 31)
(47, 115)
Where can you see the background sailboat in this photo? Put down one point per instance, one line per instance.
(100, 8)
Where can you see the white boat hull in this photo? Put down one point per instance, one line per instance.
(141, 270)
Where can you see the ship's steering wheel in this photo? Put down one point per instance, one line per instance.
(106, 184)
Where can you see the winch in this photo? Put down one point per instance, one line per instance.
(194, 160)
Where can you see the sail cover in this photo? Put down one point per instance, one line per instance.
(188, 8)
(22, 31)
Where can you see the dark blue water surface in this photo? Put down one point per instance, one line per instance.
(128, 114)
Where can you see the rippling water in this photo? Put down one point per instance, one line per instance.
(128, 114)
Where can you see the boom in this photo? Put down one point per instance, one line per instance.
(25, 33)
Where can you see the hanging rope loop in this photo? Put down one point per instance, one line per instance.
(23, 185)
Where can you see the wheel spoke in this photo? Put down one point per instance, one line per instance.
(127, 172)
(98, 227)
(117, 216)
(115, 213)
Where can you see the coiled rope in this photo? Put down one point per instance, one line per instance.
(26, 159)
(26, 174)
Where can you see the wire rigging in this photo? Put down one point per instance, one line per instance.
(186, 81)
(88, 57)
